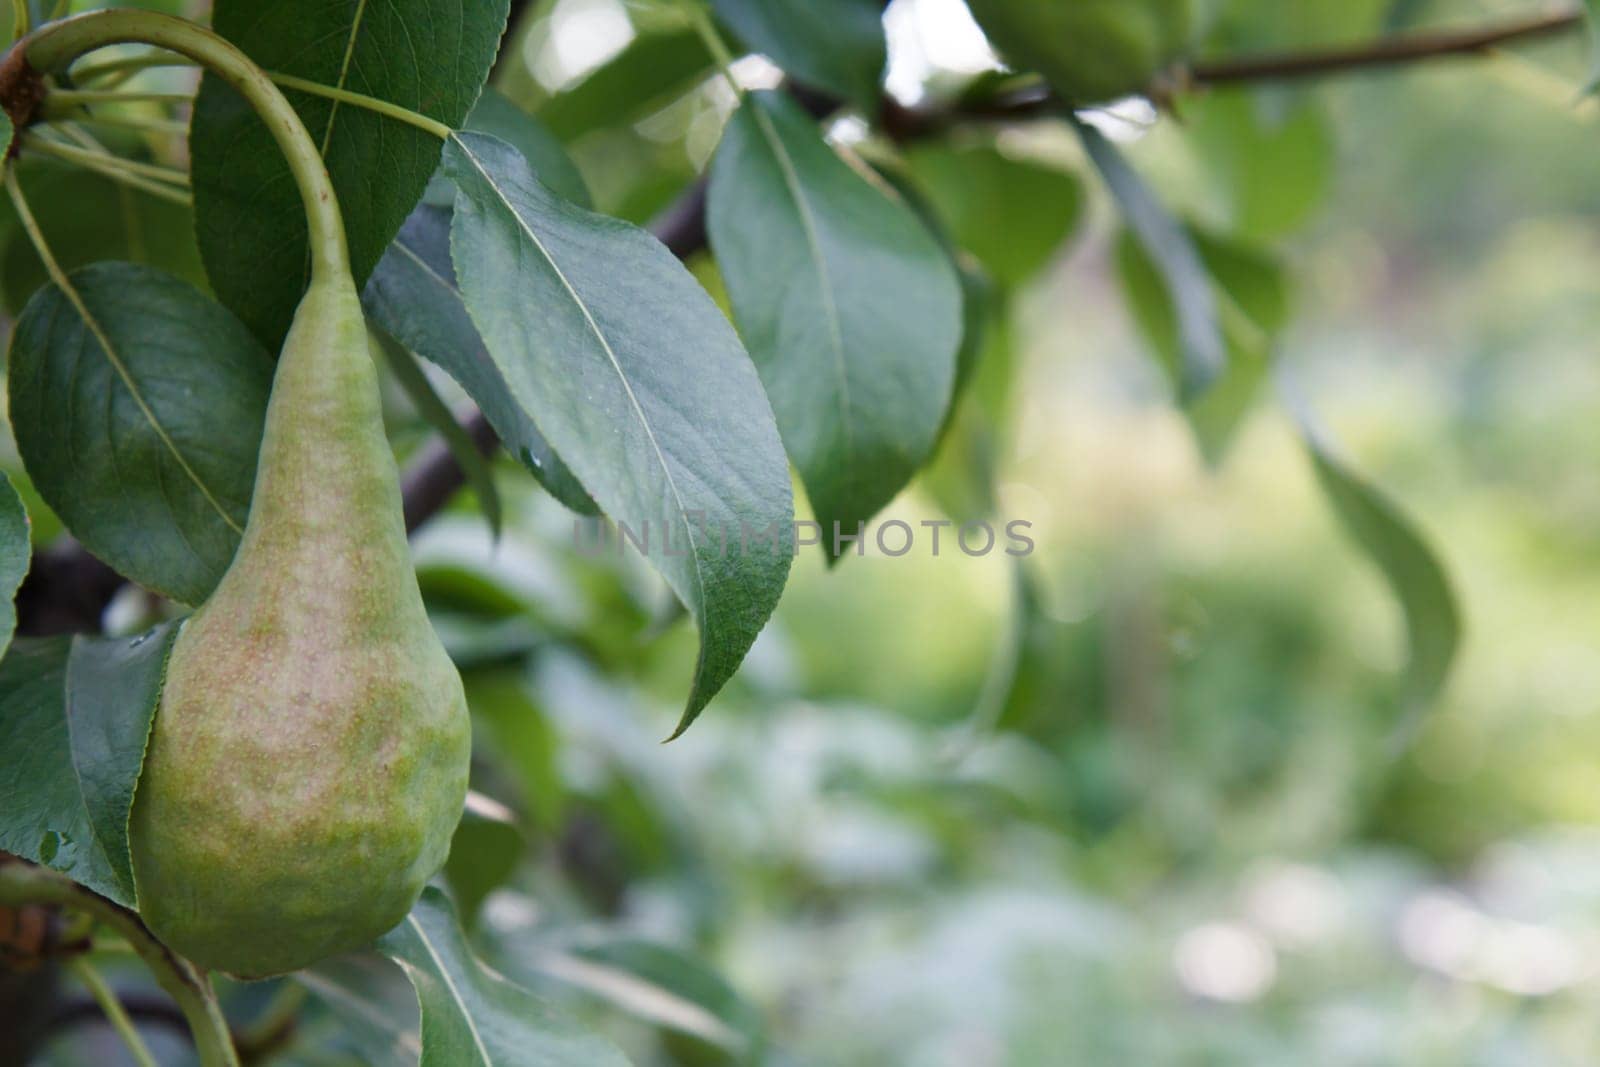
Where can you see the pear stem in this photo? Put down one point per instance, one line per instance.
(23, 883)
(55, 45)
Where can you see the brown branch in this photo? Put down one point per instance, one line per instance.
(1392, 51)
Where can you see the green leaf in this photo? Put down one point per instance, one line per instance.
(16, 553)
(413, 297)
(1410, 566)
(835, 45)
(497, 115)
(86, 219)
(138, 406)
(1592, 9)
(646, 76)
(636, 378)
(374, 1006)
(8, 132)
(1202, 353)
(112, 688)
(851, 309)
(75, 713)
(472, 1016)
(1253, 291)
(663, 986)
(1013, 214)
(414, 380)
(1273, 157)
(484, 853)
(430, 56)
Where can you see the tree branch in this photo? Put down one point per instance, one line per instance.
(1392, 51)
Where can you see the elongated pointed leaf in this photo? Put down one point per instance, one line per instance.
(413, 297)
(646, 76)
(16, 553)
(1410, 566)
(472, 1017)
(430, 56)
(836, 45)
(112, 688)
(631, 372)
(851, 310)
(75, 714)
(1201, 348)
(138, 404)
(497, 115)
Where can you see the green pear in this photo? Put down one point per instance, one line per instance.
(308, 761)
(1090, 51)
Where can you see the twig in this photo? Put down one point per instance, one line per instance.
(115, 1014)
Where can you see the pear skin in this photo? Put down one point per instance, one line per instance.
(308, 761)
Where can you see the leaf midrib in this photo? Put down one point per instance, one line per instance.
(344, 71)
(455, 993)
(616, 364)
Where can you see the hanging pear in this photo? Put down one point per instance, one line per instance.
(1091, 51)
(308, 761)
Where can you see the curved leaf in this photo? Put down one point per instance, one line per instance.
(852, 311)
(138, 405)
(836, 45)
(635, 377)
(1410, 566)
(472, 1016)
(652, 71)
(16, 553)
(430, 56)
(75, 713)
(1203, 355)
(497, 115)
(112, 688)
(413, 297)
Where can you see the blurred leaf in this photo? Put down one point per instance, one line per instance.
(484, 853)
(375, 1008)
(86, 218)
(412, 296)
(1592, 9)
(470, 1015)
(414, 380)
(430, 56)
(75, 713)
(607, 342)
(138, 406)
(522, 739)
(497, 115)
(1202, 356)
(1411, 567)
(16, 553)
(1013, 214)
(834, 45)
(1253, 290)
(646, 76)
(663, 986)
(112, 688)
(851, 310)
(1272, 157)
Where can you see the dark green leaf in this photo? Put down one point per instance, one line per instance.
(7, 133)
(1202, 352)
(472, 1016)
(413, 297)
(16, 552)
(1410, 566)
(112, 687)
(835, 45)
(75, 713)
(85, 219)
(496, 114)
(851, 309)
(374, 1006)
(646, 76)
(484, 853)
(430, 56)
(1013, 214)
(414, 380)
(637, 380)
(138, 406)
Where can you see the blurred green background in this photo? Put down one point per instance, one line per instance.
(1134, 800)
